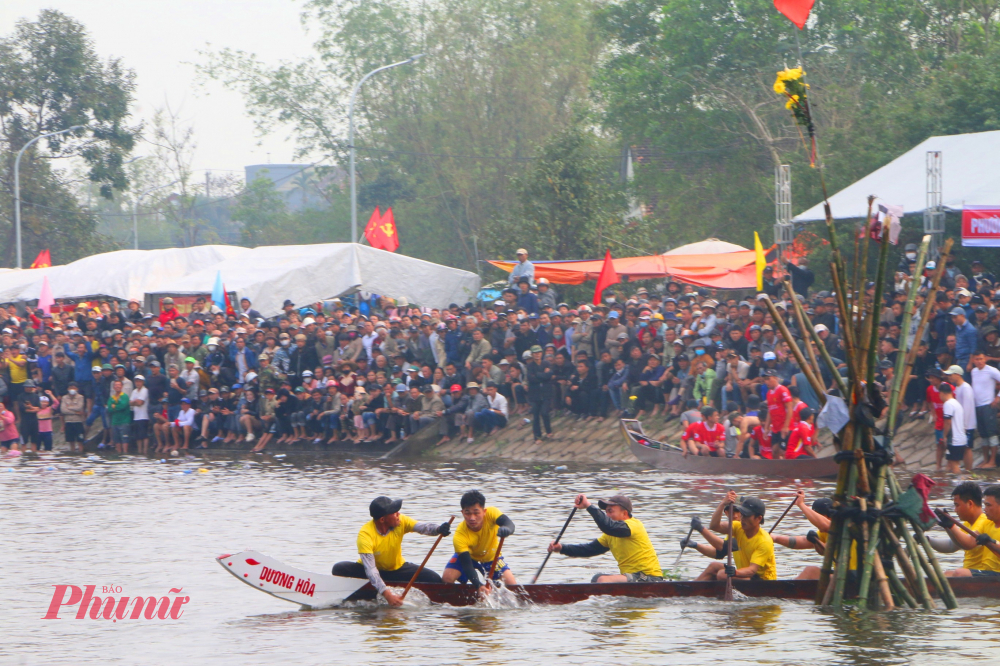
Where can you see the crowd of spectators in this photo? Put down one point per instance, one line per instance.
(325, 372)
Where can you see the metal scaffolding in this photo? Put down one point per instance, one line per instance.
(784, 230)
(934, 213)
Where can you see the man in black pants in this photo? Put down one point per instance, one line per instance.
(380, 545)
(539, 392)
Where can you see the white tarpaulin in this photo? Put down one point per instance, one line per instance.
(125, 274)
(310, 273)
(970, 164)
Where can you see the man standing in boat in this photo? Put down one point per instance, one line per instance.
(624, 535)
(779, 412)
(754, 554)
(380, 545)
(476, 541)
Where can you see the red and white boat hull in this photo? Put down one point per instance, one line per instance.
(280, 580)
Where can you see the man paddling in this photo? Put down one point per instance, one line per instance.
(624, 535)
(476, 540)
(754, 553)
(979, 560)
(820, 516)
(380, 545)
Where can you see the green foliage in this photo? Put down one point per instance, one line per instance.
(261, 209)
(51, 78)
(569, 203)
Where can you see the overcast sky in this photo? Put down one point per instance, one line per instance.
(160, 40)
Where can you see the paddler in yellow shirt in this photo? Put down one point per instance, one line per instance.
(622, 534)
(819, 515)
(476, 540)
(380, 546)
(970, 501)
(754, 553)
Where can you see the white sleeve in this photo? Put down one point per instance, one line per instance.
(368, 560)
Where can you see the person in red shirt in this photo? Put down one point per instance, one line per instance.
(797, 405)
(933, 401)
(802, 440)
(169, 312)
(705, 437)
(779, 412)
(763, 440)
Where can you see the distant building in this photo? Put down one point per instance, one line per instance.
(303, 185)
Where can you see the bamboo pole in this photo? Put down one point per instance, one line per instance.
(905, 564)
(883, 584)
(871, 551)
(901, 591)
(862, 262)
(843, 555)
(911, 356)
(902, 355)
(824, 353)
(800, 318)
(845, 313)
(796, 352)
(876, 311)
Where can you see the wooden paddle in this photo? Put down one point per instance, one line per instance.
(424, 563)
(681, 554)
(493, 567)
(783, 515)
(729, 558)
(549, 554)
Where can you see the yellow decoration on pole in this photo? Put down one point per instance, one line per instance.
(760, 260)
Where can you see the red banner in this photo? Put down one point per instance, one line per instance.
(981, 226)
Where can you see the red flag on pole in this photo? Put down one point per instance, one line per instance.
(607, 278)
(381, 231)
(43, 260)
(229, 303)
(797, 11)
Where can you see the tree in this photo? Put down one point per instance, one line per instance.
(569, 203)
(439, 140)
(51, 78)
(262, 210)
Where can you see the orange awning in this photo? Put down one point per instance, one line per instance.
(729, 270)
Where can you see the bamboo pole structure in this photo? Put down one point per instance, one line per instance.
(905, 565)
(824, 353)
(800, 318)
(813, 381)
(871, 552)
(901, 591)
(902, 355)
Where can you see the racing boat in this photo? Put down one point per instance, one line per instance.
(668, 456)
(315, 590)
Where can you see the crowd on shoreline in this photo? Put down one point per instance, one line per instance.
(325, 372)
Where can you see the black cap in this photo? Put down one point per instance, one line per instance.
(769, 373)
(823, 506)
(383, 506)
(750, 506)
(616, 500)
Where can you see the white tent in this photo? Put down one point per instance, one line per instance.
(710, 246)
(125, 274)
(311, 273)
(970, 162)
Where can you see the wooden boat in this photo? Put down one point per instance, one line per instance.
(315, 590)
(667, 456)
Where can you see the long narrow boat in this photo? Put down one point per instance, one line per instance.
(666, 456)
(315, 590)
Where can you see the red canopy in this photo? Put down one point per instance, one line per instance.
(728, 270)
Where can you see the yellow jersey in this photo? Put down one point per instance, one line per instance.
(853, 564)
(481, 545)
(635, 553)
(757, 550)
(18, 373)
(990, 561)
(387, 548)
(975, 557)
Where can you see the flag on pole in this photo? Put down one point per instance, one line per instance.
(381, 231)
(228, 303)
(45, 300)
(760, 261)
(797, 11)
(43, 260)
(219, 292)
(607, 277)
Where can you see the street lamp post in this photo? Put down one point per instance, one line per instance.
(135, 211)
(17, 186)
(350, 123)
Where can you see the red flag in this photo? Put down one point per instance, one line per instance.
(387, 227)
(371, 228)
(607, 278)
(43, 260)
(229, 303)
(797, 11)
